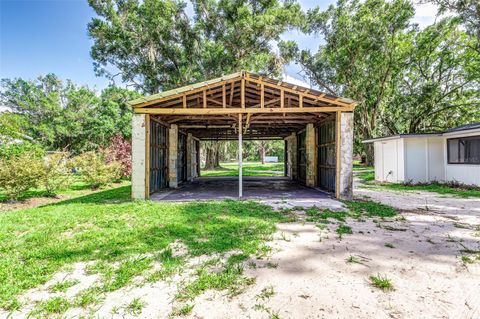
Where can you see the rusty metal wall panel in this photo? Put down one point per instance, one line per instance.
(326, 155)
(158, 157)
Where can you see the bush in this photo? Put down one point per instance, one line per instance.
(16, 149)
(120, 150)
(55, 173)
(95, 170)
(19, 173)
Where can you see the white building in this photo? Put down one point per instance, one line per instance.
(453, 155)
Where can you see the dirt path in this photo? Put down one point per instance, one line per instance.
(463, 210)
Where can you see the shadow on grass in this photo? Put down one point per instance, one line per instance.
(114, 195)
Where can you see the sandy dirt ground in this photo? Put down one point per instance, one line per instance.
(308, 275)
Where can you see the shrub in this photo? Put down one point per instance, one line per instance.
(16, 149)
(55, 173)
(19, 173)
(120, 150)
(95, 170)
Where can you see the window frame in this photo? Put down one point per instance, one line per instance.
(448, 150)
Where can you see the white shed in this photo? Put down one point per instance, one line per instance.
(453, 155)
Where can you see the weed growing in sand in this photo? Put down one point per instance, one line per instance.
(182, 311)
(63, 286)
(271, 265)
(466, 260)
(369, 208)
(135, 307)
(284, 237)
(343, 229)
(316, 215)
(90, 296)
(265, 294)
(353, 260)
(381, 282)
(49, 307)
(460, 225)
(389, 245)
(230, 277)
(170, 266)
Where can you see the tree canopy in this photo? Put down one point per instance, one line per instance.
(159, 44)
(62, 115)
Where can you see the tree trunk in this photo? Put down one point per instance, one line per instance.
(212, 156)
(369, 154)
(262, 154)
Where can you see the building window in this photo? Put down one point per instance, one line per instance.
(465, 150)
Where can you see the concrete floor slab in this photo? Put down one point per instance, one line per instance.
(275, 191)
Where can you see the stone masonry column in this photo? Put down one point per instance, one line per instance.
(311, 151)
(172, 156)
(189, 156)
(139, 139)
(346, 156)
(292, 156)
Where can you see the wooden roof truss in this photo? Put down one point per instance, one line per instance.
(267, 107)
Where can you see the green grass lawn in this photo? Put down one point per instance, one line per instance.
(249, 169)
(358, 166)
(439, 188)
(108, 227)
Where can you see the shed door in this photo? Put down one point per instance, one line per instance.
(302, 157)
(326, 155)
(158, 157)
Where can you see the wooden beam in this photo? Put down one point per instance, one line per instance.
(282, 98)
(184, 101)
(200, 111)
(232, 89)
(312, 96)
(300, 100)
(204, 99)
(242, 94)
(262, 95)
(224, 96)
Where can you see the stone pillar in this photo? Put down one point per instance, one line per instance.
(346, 156)
(311, 151)
(292, 156)
(189, 154)
(194, 158)
(139, 140)
(172, 156)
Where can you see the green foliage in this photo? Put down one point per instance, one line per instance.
(406, 80)
(135, 307)
(63, 285)
(370, 208)
(62, 116)
(15, 149)
(52, 306)
(381, 282)
(95, 170)
(19, 173)
(55, 173)
(156, 45)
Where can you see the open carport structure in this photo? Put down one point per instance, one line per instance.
(167, 129)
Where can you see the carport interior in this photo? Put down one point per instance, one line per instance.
(242, 106)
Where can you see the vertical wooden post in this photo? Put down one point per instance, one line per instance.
(300, 100)
(282, 98)
(184, 101)
(240, 157)
(224, 96)
(204, 99)
(242, 93)
(262, 95)
(337, 153)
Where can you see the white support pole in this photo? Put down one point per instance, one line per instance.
(240, 157)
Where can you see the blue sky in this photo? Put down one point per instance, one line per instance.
(38, 37)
